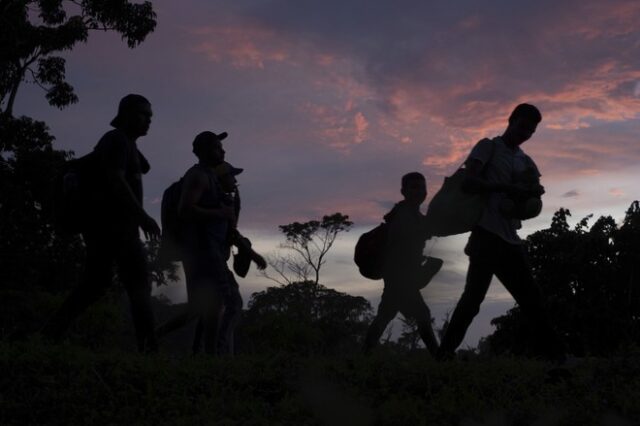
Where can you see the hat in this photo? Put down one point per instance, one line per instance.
(226, 168)
(125, 107)
(206, 137)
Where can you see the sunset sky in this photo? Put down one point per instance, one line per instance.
(328, 103)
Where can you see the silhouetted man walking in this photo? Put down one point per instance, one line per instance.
(206, 220)
(111, 234)
(403, 273)
(232, 303)
(494, 248)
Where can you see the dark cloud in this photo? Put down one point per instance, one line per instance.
(571, 194)
(465, 63)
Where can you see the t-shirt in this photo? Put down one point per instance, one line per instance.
(117, 152)
(505, 166)
(201, 233)
(406, 238)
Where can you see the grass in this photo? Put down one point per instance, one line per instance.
(65, 384)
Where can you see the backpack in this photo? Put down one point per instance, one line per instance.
(370, 252)
(171, 241)
(76, 192)
(452, 210)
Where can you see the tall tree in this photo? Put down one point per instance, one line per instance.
(306, 247)
(32, 33)
(33, 255)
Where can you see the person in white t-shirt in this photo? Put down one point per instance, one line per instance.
(500, 168)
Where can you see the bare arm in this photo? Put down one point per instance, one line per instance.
(244, 244)
(125, 194)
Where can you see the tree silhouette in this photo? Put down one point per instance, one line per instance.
(590, 281)
(32, 32)
(34, 256)
(303, 317)
(306, 247)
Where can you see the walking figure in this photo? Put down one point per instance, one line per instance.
(111, 233)
(501, 169)
(405, 271)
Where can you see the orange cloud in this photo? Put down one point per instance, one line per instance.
(242, 47)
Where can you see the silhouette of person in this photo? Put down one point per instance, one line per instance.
(111, 235)
(232, 306)
(403, 269)
(496, 166)
(207, 219)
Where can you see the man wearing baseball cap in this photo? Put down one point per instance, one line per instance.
(111, 234)
(206, 220)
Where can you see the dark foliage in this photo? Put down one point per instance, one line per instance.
(39, 262)
(33, 32)
(43, 384)
(304, 317)
(33, 253)
(589, 276)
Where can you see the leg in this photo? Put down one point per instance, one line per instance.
(96, 278)
(478, 280)
(414, 306)
(200, 296)
(387, 310)
(196, 347)
(515, 275)
(210, 321)
(207, 287)
(175, 323)
(133, 272)
(230, 317)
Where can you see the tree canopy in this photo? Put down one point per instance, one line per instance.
(32, 33)
(306, 247)
(37, 261)
(304, 316)
(589, 277)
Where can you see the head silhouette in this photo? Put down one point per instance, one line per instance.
(523, 122)
(414, 188)
(207, 146)
(226, 174)
(134, 115)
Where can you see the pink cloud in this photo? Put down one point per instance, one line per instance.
(617, 192)
(361, 125)
(242, 46)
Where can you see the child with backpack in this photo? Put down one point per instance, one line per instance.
(403, 268)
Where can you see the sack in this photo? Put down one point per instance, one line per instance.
(370, 252)
(76, 192)
(171, 241)
(242, 259)
(429, 268)
(453, 211)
